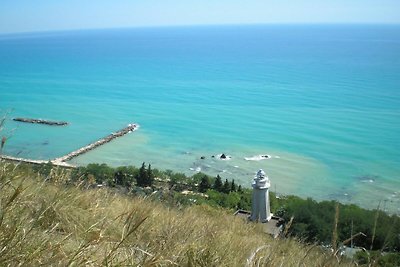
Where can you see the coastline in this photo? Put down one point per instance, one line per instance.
(290, 174)
(387, 206)
(226, 93)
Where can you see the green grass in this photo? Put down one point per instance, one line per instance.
(51, 223)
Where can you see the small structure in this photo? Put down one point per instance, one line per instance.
(260, 206)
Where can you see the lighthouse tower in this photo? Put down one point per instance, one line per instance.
(260, 208)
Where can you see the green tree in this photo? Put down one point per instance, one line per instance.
(240, 189)
(233, 186)
(124, 176)
(141, 177)
(218, 184)
(226, 187)
(149, 176)
(205, 184)
(176, 180)
(45, 169)
(120, 178)
(101, 172)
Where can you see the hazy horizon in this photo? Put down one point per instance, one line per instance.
(197, 25)
(45, 15)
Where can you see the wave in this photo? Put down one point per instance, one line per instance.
(258, 157)
(198, 169)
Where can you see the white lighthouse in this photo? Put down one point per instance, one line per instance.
(260, 208)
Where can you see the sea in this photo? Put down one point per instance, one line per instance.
(317, 107)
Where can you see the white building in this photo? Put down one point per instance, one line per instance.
(260, 206)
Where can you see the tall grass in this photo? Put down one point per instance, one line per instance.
(48, 223)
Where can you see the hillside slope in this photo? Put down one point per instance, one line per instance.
(43, 223)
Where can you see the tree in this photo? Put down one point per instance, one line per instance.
(149, 177)
(240, 189)
(119, 178)
(141, 176)
(226, 187)
(218, 184)
(145, 177)
(204, 184)
(101, 172)
(233, 186)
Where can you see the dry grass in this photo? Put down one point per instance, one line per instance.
(49, 224)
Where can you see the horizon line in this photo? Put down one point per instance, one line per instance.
(204, 25)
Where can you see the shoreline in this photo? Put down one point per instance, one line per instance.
(386, 204)
(384, 208)
(288, 172)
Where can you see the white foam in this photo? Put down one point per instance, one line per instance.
(258, 157)
(368, 181)
(198, 169)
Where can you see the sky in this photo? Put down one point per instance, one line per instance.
(53, 15)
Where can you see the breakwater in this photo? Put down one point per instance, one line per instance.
(41, 121)
(130, 128)
(62, 161)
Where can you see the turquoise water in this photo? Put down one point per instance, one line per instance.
(323, 101)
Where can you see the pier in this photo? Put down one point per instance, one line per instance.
(62, 161)
(41, 121)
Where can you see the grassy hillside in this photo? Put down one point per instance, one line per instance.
(50, 223)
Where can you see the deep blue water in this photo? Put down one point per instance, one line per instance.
(323, 101)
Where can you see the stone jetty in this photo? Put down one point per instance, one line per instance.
(130, 128)
(41, 121)
(62, 161)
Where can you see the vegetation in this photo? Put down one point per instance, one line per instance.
(54, 218)
(145, 177)
(313, 221)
